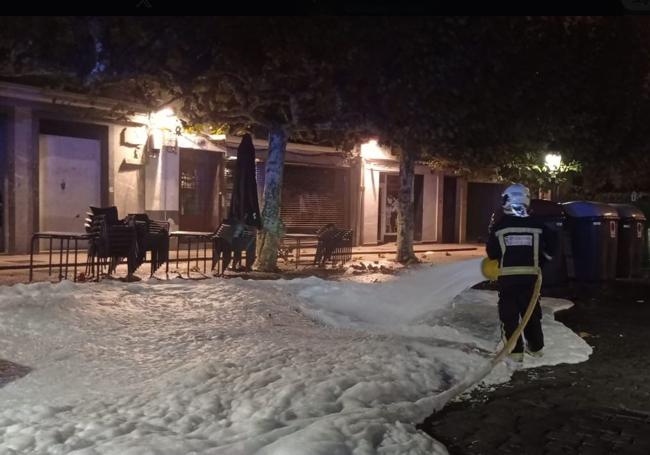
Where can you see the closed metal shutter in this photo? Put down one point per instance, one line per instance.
(313, 197)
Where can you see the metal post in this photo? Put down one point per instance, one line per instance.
(164, 176)
(189, 255)
(178, 249)
(297, 251)
(60, 258)
(67, 256)
(49, 270)
(31, 258)
(198, 252)
(75, 259)
(167, 261)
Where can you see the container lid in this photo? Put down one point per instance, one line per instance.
(629, 211)
(543, 208)
(589, 209)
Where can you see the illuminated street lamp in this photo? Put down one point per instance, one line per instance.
(553, 161)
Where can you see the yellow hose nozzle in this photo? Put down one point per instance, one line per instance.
(490, 269)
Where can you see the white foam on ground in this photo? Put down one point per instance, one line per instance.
(246, 367)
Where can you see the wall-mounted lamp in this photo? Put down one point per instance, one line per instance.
(372, 150)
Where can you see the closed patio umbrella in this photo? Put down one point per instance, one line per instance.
(244, 206)
(244, 214)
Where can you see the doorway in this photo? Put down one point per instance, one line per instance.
(68, 182)
(199, 206)
(449, 196)
(389, 202)
(389, 206)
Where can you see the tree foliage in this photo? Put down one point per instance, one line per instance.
(476, 91)
(464, 93)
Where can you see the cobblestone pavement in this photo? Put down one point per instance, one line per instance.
(601, 406)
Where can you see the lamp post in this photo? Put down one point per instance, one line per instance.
(553, 161)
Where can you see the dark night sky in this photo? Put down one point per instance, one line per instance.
(355, 7)
(415, 7)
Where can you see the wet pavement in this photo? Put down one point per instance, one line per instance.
(601, 406)
(10, 371)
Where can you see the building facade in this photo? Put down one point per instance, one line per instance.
(61, 153)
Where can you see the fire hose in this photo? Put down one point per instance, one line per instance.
(480, 374)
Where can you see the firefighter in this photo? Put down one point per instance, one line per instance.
(521, 245)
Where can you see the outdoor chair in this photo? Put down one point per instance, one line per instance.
(111, 240)
(343, 251)
(334, 245)
(228, 242)
(152, 236)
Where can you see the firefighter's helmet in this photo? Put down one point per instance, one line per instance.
(516, 200)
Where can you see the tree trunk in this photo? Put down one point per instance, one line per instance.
(268, 238)
(405, 212)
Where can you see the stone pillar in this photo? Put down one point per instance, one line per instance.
(22, 180)
(440, 193)
(370, 206)
(461, 210)
(355, 195)
(430, 206)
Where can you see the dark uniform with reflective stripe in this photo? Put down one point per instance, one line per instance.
(521, 245)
